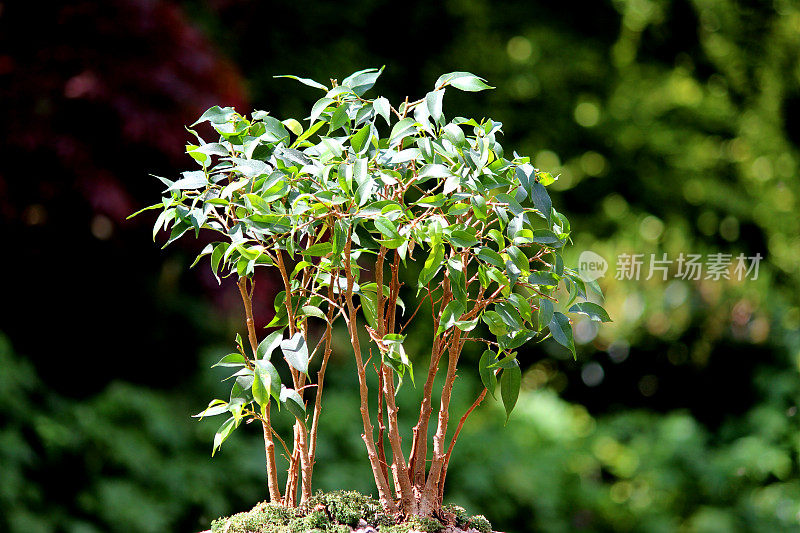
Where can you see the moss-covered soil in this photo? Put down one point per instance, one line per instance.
(343, 512)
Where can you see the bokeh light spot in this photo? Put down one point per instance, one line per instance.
(587, 114)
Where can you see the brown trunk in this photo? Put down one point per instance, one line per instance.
(269, 444)
(399, 467)
(431, 492)
(384, 495)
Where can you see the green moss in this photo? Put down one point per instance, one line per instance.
(480, 523)
(427, 525)
(316, 521)
(460, 514)
(263, 518)
(337, 512)
(348, 507)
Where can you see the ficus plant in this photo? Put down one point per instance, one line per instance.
(360, 205)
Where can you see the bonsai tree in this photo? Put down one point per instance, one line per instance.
(349, 209)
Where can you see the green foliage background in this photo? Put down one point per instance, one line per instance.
(674, 126)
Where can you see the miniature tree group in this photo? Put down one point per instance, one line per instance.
(367, 196)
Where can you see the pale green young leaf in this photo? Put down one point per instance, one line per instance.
(234, 360)
(466, 81)
(215, 407)
(304, 81)
(432, 265)
(223, 433)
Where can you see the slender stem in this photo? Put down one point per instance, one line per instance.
(394, 292)
(444, 415)
(380, 297)
(420, 432)
(463, 419)
(384, 495)
(269, 444)
(290, 493)
(299, 458)
(328, 339)
(382, 430)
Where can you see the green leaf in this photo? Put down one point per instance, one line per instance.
(434, 102)
(545, 178)
(308, 133)
(312, 310)
(216, 257)
(370, 307)
(545, 312)
(215, 407)
(294, 403)
(450, 315)
(462, 238)
(512, 342)
(454, 134)
(488, 377)
(541, 200)
(339, 119)
(544, 278)
(383, 108)
(466, 81)
(467, 325)
(216, 115)
(561, 330)
(209, 248)
(231, 360)
(241, 386)
(318, 108)
(401, 130)
(360, 139)
(148, 208)
(510, 316)
(387, 228)
(490, 256)
(304, 81)
(363, 80)
(479, 207)
(267, 382)
(592, 310)
(268, 345)
(320, 249)
(495, 322)
(293, 126)
(432, 264)
(296, 352)
(222, 433)
(545, 236)
(510, 382)
(190, 180)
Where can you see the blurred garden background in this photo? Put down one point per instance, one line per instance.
(674, 126)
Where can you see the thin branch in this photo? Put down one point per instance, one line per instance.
(382, 429)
